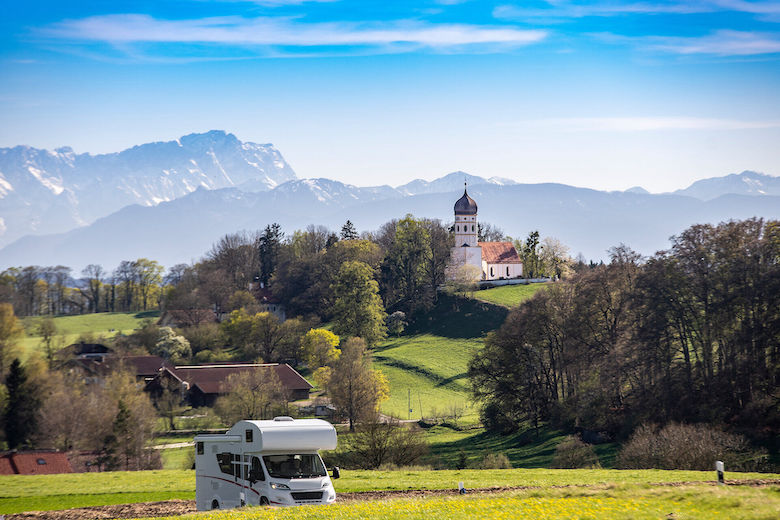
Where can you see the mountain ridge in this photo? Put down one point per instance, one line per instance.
(85, 187)
(186, 193)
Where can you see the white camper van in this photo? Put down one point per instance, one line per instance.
(265, 462)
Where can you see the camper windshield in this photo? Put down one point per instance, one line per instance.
(294, 466)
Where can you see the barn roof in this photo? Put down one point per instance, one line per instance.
(34, 463)
(499, 253)
(140, 366)
(209, 378)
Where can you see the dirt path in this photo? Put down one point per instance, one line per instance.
(180, 507)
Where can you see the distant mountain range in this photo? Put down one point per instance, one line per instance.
(171, 201)
(45, 191)
(745, 183)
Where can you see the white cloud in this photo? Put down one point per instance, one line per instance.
(139, 28)
(718, 43)
(768, 10)
(640, 124)
(721, 43)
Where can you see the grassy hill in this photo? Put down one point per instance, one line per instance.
(429, 361)
(426, 368)
(509, 295)
(69, 328)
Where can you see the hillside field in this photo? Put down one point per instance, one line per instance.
(69, 328)
(427, 365)
(50, 492)
(509, 295)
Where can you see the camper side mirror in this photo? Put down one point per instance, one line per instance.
(336, 472)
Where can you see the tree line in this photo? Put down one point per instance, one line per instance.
(34, 291)
(691, 334)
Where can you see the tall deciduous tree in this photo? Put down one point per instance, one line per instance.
(10, 333)
(404, 281)
(47, 329)
(320, 348)
(358, 309)
(356, 389)
(149, 278)
(251, 394)
(93, 278)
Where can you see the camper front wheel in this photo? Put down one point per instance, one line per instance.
(263, 501)
(214, 504)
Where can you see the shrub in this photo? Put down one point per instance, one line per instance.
(495, 419)
(572, 453)
(495, 461)
(377, 442)
(688, 446)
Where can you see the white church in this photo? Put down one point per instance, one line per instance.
(487, 260)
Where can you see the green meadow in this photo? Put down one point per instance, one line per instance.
(509, 295)
(20, 493)
(70, 328)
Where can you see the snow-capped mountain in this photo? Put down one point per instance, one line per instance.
(745, 183)
(171, 201)
(450, 182)
(44, 191)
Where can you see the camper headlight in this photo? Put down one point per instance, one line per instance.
(279, 485)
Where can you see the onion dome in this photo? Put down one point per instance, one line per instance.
(465, 205)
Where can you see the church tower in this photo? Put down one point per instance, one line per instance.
(467, 250)
(466, 221)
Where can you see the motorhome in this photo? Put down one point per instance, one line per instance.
(273, 462)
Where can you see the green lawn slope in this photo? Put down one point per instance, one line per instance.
(426, 366)
(509, 295)
(105, 324)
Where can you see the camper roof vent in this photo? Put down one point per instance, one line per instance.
(283, 418)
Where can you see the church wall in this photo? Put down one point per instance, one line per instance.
(499, 271)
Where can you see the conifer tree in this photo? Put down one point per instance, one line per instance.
(22, 406)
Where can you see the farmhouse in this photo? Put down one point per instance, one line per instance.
(202, 384)
(39, 462)
(480, 260)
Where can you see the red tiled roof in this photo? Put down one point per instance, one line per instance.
(209, 378)
(5, 465)
(35, 463)
(499, 253)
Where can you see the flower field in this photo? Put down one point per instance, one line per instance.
(632, 502)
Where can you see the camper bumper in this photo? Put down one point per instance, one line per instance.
(282, 495)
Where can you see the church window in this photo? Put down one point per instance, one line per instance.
(491, 271)
(472, 227)
(457, 228)
(507, 270)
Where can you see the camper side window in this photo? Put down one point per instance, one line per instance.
(225, 461)
(199, 447)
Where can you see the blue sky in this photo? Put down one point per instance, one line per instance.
(599, 94)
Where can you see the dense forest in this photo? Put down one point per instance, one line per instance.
(691, 334)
